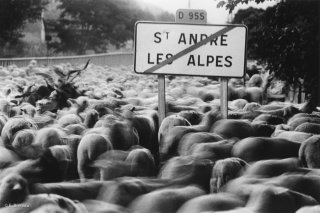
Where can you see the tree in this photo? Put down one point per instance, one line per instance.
(285, 38)
(165, 16)
(94, 24)
(251, 17)
(231, 4)
(13, 16)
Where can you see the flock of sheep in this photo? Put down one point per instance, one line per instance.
(90, 140)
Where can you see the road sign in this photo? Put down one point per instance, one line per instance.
(189, 49)
(191, 16)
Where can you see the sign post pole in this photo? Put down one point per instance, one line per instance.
(161, 98)
(224, 97)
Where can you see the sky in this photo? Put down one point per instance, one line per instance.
(214, 15)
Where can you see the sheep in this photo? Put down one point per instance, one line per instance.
(116, 163)
(23, 144)
(101, 206)
(189, 140)
(238, 104)
(165, 200)
(229, 128)
(273, 167)
(28, 109)
(309, 152)
(41, 202)
(170, 121)
(69, 119)
(90, 147)
(8, 157)
(269, 119)
(225, 170)
(187, 170)
(308, 127)
(169, 144)
(294, 123)
(277, 199)
(309, 209)
(49, 136)
(255, 81)
(142, 162)
(259, 148)
(14, 125)
(212, 202)
(13, 190)
(102, 149)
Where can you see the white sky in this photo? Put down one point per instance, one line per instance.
(215, 15)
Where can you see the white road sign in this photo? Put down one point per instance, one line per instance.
(189, 49)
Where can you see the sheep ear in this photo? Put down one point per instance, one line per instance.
(243, 163)
(18, 96)
(13, 102)
(8, 92)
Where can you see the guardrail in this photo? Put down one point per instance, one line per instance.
(110, 59)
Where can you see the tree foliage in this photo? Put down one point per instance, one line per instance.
(286, 38)
(251, 17)
(231, 4)
(13, 16)
(95, 24)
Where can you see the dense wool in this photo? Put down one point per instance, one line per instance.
(96, 143)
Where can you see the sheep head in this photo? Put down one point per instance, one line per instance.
(44, 105)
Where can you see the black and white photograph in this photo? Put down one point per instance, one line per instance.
(159, 106)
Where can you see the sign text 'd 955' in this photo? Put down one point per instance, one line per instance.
(191, 16)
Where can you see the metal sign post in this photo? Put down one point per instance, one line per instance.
(224, 97)
(161, 98)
